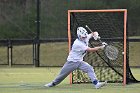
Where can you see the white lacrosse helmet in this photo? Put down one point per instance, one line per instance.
(81, 32)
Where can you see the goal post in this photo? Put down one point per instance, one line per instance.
(111, 25)
(124, 62)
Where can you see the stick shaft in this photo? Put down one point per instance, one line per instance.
(91, 32)
(89, 29)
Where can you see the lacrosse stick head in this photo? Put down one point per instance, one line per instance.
(111, 52)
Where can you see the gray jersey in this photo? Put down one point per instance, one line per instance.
(78, 50)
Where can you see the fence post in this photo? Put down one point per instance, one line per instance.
(37, 41)
(10, 52)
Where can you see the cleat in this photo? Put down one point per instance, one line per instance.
(100, 84)
(49, 85)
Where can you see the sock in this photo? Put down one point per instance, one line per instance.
(95, 82)
(53, 84)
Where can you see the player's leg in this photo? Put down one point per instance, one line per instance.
(65, 71)
(85, 67)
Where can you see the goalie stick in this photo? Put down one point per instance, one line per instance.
(110, 51)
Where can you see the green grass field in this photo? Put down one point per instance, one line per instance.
(31, 80)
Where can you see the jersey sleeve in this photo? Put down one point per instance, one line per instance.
(81, 47)
(89, 36)
(84, 48)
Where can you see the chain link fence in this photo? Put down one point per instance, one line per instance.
(18, 31)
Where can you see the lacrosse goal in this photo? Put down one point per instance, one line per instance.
(111, 25)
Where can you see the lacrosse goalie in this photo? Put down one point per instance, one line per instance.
(75, 59)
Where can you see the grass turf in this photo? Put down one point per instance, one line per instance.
(25, 80)
(31, 80)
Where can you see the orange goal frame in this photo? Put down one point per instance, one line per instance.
(105, 10)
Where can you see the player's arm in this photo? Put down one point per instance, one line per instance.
(91, 35)
(94, 35)
(95, 48)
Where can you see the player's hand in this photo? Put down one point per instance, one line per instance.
(96, 35)
(102, 47)
(104, 43)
